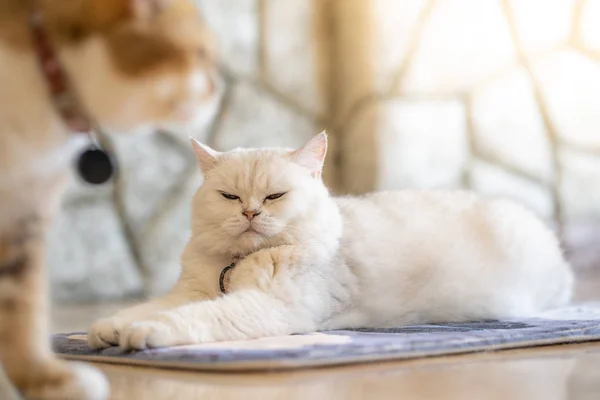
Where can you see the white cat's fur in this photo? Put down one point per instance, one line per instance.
(318, 262)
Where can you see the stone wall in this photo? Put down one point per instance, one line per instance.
(499, 96)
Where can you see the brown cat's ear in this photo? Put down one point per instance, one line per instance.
(147, 9)
(206, 156)
(312, 155)
(105, 12)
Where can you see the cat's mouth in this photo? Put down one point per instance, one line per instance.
(251, 230)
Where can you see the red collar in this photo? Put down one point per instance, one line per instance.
(63, 96)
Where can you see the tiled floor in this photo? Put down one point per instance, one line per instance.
(547, 373)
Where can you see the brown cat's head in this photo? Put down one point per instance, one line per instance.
(136, 63)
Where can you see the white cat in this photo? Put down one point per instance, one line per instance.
(308, 261)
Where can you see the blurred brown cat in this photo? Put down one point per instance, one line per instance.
(132, 65)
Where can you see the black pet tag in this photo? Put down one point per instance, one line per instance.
(95, 166)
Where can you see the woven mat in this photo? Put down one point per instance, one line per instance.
(576, 323)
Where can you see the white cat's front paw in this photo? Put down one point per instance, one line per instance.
(152, 333)
(106, 332)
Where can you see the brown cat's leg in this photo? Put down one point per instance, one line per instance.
(24, 341)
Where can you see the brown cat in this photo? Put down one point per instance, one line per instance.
(125, 64)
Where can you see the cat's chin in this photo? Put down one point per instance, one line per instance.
(250, 241)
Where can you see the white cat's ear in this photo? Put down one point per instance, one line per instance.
(312, 155)
(206, 156)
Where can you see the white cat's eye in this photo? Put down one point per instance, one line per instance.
(229, 196)
(274, 196)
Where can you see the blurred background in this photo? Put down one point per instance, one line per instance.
(498, 96)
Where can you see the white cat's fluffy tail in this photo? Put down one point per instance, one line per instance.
(563, 292)
(546, 278)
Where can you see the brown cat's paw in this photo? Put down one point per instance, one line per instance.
(62, 381)
(105, 332)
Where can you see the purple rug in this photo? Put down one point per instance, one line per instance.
(577, 323)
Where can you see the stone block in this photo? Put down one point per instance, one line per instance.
(464, 42)
(254, 117)
(89, 257)
(163, 241)
(590, 28)
(509, 127)
(581, 237)
(580, 184)
(570, 84)
(234, 24)
(542, 24)
(150, 166)
(295, 54)
(396, 21)
(493, 180)
(423, 144)
(413, 144)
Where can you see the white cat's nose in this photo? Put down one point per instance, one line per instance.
(250, 214)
